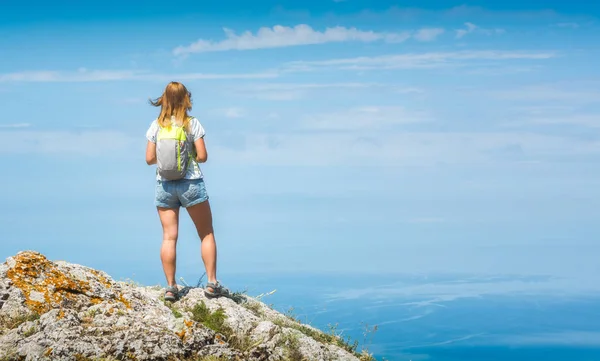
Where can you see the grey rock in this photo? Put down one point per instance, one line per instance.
(222, 351)
(64, 311)
(37, 296)
(10, 262)
(264, 331)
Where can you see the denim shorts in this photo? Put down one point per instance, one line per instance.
(180, 193)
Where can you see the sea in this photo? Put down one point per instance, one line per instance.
(442, 317)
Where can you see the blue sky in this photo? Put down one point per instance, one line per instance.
(343, 136)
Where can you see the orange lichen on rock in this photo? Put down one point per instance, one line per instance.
(101, 278)
(124, 301)
(44, 285)
(219, 339)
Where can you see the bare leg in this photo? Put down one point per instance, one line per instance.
(202, 217)
(169, 218)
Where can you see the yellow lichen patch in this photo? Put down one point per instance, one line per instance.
(48, 352)
(61, 314)
(101, 279)
(188, 323)
(38, 279)
(124, 301)
(181, 334)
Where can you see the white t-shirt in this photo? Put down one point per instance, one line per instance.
(196, 131)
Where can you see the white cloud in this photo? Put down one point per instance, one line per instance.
(83, 143)
(457, 13)
(232, 112)
(585, 120)
(278, 95)
(470, 28)
(283, 36)
(553, 105)
(428, 34)
(439, 292)
(560, 109)
(294, 91)
(76, 76)
(85, 75)
(559, 112)
(498, 70)
(359, 145)
(462, 32)
(552, 93)
(15, 125)
(369, 118)
(418, 60)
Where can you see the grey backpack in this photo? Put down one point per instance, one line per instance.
(173, 152)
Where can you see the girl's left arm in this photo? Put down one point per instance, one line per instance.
(201, 154)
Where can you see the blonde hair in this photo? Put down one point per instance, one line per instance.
(175, 101)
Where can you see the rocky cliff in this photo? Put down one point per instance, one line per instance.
(62, 311)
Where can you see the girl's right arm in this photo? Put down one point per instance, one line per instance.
(150, 153)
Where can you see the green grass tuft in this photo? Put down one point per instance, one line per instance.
(254, 307)
(290, 343)
(9, 323)
(320, 336)
(213, 320)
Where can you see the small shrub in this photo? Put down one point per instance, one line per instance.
(30, 331)
(291, 315)
(10, 323)
(11, 355)
(254, 307)
(366, 356)
(332, 339)
(174, 310)
(176, 313)
(213, 320)
(241, 343)
(291, 345)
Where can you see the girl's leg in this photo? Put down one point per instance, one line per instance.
(202, 217)
(169, 218)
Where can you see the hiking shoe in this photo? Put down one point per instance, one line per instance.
(171, 293)
(215, 289)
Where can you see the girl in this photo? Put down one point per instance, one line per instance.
(188, 192)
